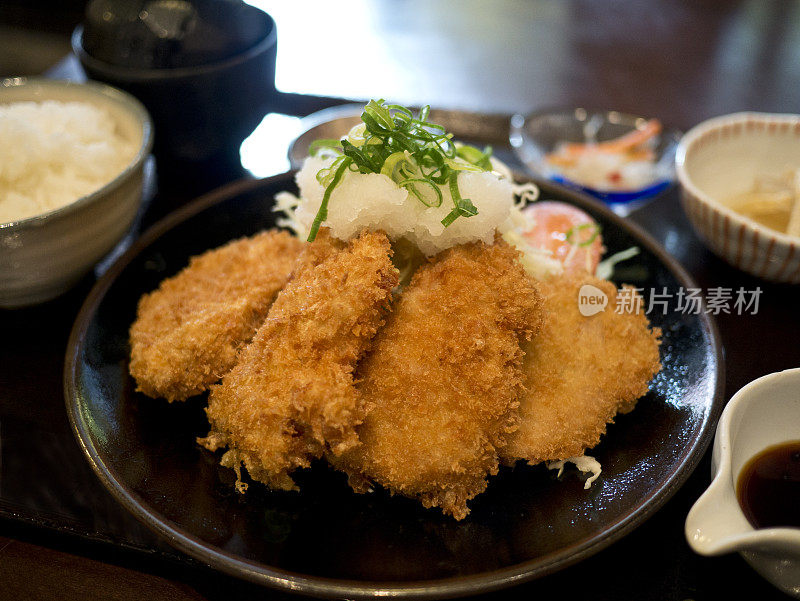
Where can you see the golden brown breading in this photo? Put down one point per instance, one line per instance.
(581, 371)
(291, 395)
(188, 332)
(444, 378)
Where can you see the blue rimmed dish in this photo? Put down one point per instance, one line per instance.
(538, 134)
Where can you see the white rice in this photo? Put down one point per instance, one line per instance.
(374, 201)
(54, 153)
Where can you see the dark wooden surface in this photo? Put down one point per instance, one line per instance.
(679, 61)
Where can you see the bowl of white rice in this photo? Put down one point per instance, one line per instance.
(71, 177)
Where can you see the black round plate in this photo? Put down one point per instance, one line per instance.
(326, 540)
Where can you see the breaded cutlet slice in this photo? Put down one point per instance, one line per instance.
(187, 332)
(444, 378)
(580, 372)
(291, 397)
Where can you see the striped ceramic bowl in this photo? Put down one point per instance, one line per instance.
(721, 158)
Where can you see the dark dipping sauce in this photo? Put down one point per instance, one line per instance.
(768, 488)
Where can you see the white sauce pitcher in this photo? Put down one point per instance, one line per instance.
(764, 413)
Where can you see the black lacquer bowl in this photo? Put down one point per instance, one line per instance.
(328, 541)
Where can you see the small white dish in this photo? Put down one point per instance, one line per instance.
(720, 158)
(534, 136)
(762, 414)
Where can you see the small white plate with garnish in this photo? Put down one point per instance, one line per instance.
(622, 159)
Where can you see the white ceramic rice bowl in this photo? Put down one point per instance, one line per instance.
(43, 256)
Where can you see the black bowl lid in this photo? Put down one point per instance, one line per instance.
(168, 34)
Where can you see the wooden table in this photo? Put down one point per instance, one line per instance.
(681, 62)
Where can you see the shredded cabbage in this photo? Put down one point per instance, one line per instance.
(539, 263)
(605, 269)
(584, 463)
(286, 203)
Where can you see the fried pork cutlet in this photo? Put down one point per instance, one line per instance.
(444, 378)
(581, 371)
(291, 396)
(187, 333)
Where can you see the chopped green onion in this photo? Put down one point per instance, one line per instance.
(475, 156)
(458, 164)
(325, 176)
(410, 185)
(463, 206)
(416, 154)
(322, 214)
(394, 161)
(572, 234)
(356, 135)
(327, 143)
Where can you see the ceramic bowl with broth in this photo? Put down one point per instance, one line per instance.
(724, 158)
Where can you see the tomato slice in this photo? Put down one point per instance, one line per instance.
(568, 232)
